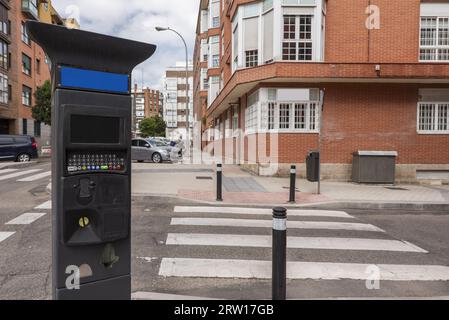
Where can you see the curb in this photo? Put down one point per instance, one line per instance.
(332, 205)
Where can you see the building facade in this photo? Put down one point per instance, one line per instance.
(23, 67)
(178, 93)
(147, 103)
(277, 78)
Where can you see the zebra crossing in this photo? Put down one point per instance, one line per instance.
(24, 175)
(26, 218)
(193, 230)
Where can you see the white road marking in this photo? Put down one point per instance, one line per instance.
(5, 235)
(36, 177)
(4, 171)
(268, 224)
(18, 174)
(233, 240)
(256, 269)
(27, 218)
(44, 206)
(262, 211)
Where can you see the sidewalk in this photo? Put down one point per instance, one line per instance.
(197, 182)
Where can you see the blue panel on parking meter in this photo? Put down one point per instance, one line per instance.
(94, 80)
(91, 162)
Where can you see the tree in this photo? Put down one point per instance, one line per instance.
(42, 109)
(153, 127)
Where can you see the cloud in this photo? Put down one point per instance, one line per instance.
(136, 19)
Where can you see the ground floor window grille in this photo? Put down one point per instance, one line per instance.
(433, 118)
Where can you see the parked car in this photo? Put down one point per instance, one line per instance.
(143, 150)
(17, 148)
(175, 152)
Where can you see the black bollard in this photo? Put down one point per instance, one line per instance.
(279, 270)
(292, 198)
(219, 182)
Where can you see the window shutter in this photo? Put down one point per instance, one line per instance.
(268, 36)
(251, 27)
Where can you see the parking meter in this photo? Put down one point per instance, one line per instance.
(91, 159)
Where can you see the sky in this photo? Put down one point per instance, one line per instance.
(136, 19)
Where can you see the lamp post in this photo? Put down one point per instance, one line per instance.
(159, 29)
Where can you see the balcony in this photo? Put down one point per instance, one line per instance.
(29, 8)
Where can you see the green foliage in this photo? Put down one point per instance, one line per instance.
(153, 127)
(42, 109)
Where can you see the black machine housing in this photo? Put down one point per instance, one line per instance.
(91, 161)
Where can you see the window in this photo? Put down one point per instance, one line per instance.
(292, 110)
(215, 61)
(26, 64)
(228, 125)
(214, 39)
(433, 117)
(300, 115)
(251, 58)
(37, 128)
(4, 55)
(235, 48)
(9, 92)
(215, 13)
(284, 116)
(271, 115)
(25, 36)
(235, 122)
(434, 39)
(24, 126)
(251, 122)
(4, 22)
(26, 96)
(297, 35)
(38, 66)
(251, 41)
(4, 88)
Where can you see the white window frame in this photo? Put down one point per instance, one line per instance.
(437, 106)
(437, 47)
(297, 40)
(258, 118)
(215, 63)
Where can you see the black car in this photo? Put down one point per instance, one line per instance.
(17, 148)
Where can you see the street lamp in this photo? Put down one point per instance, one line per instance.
(159, 29)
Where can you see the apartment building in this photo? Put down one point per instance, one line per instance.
(23, 66)
(147, 103)
(344, 74)
(177, 93)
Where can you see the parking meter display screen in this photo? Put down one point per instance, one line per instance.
(94, 129)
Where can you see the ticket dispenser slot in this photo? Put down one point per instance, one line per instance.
(91, 158)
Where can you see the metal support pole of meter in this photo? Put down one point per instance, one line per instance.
(219, 182)
(319, 139)
(279, 250)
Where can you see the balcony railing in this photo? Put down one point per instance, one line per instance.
(29, 7)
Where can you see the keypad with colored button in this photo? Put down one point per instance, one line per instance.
(80, 162)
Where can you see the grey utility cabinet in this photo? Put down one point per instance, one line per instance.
(374, 167)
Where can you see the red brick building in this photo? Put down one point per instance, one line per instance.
(147, 103)
(378, 69)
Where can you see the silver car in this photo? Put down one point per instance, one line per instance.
(143, 150)
(175, 152)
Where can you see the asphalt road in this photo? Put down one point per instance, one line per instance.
(25, 256)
